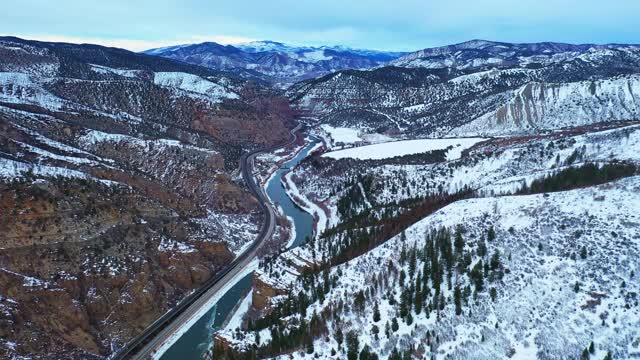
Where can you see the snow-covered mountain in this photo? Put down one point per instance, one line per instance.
(275, 61)
(569, 85)
(483, 53)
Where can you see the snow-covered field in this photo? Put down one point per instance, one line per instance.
(342, 134)
(19, 88)
(496, 167)
(347, 136)
(406, 147)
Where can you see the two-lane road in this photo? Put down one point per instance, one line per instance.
(146, 344)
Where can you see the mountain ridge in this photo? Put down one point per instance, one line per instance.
(496, 53)
(277, 62)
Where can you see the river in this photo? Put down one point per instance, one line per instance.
(195, 341)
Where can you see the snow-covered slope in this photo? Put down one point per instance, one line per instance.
(542, 106)
(194, 84)
(538, 311)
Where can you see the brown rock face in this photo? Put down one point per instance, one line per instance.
(114, 192)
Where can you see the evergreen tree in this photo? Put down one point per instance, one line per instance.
(585, 354)
(417, 304)
(310, 349)
(477, 276)
(352, 345)
(494, 294)
(403, 254)
(576, 287)
(495, 260)
(367, 354)
(592, 348)
(359, 301)
(457, 300)
(583, 253)
(376, 313)
(406, 355)
(482, 248)
(491, 234)
(405, 303)
(395, 355)
(412, 263)
(303, 303)
(339, 336)
(394, 325)
(375, 330)
(458, 243)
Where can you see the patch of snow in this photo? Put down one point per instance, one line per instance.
(194, 84)
(121, 72)
(342, 134)
(406, 147)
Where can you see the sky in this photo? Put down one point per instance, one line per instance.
(403, 25)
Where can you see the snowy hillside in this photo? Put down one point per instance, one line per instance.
(550, 301)
(541, 106)
(598, 84)
(194, 84)
(424, 255)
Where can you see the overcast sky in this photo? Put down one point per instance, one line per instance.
(374, 24)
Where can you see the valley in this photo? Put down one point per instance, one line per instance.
(477, 200)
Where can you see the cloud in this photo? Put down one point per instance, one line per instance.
(382, 24)
(135, 44)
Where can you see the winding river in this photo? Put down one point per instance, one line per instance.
(194, 342)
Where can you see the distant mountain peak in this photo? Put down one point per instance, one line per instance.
(277, 61)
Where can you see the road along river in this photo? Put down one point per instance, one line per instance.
(197, 339)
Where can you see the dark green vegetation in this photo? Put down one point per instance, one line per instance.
(585, 175)
(373, 226)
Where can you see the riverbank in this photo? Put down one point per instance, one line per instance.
(190, 343)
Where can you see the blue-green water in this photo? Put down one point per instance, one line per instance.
(193, 344)
(303, 220)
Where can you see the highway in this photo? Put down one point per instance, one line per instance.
(150, 340)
